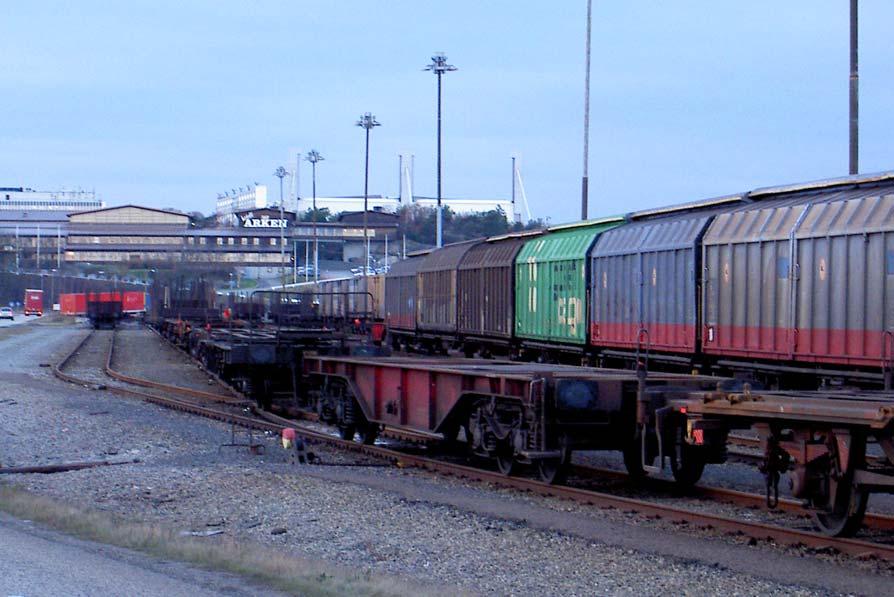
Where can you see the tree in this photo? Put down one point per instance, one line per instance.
(323, 215)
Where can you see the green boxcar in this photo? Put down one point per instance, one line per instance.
(551, 283)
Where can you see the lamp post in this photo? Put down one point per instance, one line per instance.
(584, 185)
(439, 66)
(367, 122)
(281, 173)
(313, 156)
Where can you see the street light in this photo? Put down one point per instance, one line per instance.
(585, 179)
(313, 156)
(439, 66)
(367, 122)
(281, 173)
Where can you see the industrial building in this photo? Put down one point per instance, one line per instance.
(138, 235)
(25, 199)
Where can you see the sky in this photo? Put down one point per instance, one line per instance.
(168, 103)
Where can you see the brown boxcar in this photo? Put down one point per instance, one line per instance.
(437, 288)
(400, 294)
(644, 284)
(804, 274)
(486, 281)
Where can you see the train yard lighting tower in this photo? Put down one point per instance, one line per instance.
(313, 157)
(585, 182)
(366, 122)
(439, 66)
(281, 173)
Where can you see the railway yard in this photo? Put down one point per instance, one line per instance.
(378, 510)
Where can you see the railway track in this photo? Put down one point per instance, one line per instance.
(184, 400)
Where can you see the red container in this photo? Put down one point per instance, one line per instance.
(33, 302)
(73, 304)
(134, 302)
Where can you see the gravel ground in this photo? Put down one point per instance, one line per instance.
(380, 519)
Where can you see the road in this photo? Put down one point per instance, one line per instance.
(35, 561)
(19, 319)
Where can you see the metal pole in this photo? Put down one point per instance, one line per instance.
(294, 261)
(313, 165)
(38, 250)
(513, 188)
(306, 259)
(367, 121)
(282, 239)
(854, 148)
(59, 248)
(439, 236)
(584, 190)
(18, 269)
(365, 205)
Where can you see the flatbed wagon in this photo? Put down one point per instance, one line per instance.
(515, 413)
(823, 440)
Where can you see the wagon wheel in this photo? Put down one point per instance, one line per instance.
(554, 470)
(846, 516)
(346, 432)
(687, 462)
(505, 457)
(368, 433)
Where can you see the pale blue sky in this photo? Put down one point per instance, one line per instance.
(165, 103)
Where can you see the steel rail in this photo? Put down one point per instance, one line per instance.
(146, 383)
(756, 530)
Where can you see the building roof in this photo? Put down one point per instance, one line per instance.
(130, 205)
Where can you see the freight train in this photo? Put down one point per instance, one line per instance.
(792, 285)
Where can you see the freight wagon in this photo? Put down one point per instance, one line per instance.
(104, 309)
(793, 285)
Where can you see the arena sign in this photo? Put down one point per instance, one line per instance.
(250, 221)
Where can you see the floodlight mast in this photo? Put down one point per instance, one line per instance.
(439, 66)
(281, 173)
(585, 179)
(313, 157)
(366, 122)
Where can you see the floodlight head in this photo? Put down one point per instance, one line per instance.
(368, 121)
(439, 64)
(280, 173)
(313, 156)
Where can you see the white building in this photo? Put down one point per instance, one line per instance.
(25, 199)
(233, 201)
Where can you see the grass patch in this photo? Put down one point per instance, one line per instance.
(258, 563)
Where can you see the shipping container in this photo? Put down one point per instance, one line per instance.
(133, 302)
(644, 284)
(551, 283)
(486, 280)
(400, 294)
(33, 301)
(803, 274)
(73, 303)
(436, 288)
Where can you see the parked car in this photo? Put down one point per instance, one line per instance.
(6, 313)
